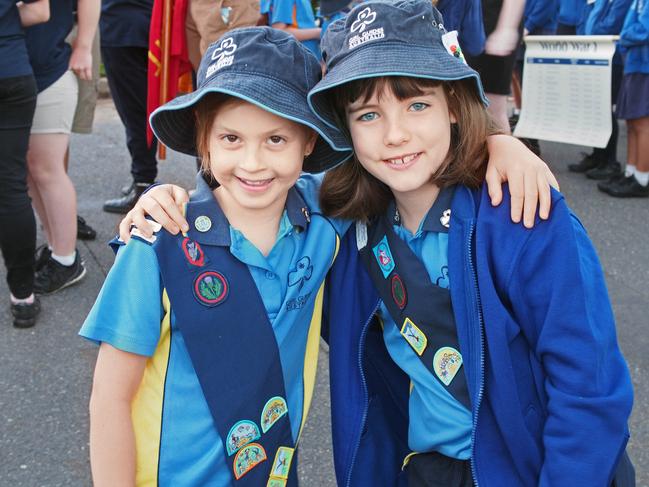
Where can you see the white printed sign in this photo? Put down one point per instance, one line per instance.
(567, 89)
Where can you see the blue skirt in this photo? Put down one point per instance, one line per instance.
(633, 99)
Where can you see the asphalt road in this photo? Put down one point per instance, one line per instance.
(45, 372)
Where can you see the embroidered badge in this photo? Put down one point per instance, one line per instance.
(446, 364)
(282, 463)
(399, 291)
(224, 54)
(442, 281)
(193, 252)
(414, 336)
(301, 273)
(273, 482)
(274, 409)
(248, 458)
(452, 45)
(211, 288)
(445, 219)
(242, 433)
(364, 18)
(384, 256)
(203, 223)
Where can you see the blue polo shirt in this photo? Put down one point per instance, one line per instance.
(130, 314)
(298, 14)
(14, 60)
(465, 16)
(125, 23)
(438, 422)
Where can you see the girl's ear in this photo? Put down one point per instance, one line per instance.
(310, 143)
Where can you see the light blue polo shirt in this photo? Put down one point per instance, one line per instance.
(296, 13)
(128, 314)
(438, 422)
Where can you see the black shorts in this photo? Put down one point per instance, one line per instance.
(437, 470)
(495, 71)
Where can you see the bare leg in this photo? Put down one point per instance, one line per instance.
(498, 110)
(57, 193)
(641, 129)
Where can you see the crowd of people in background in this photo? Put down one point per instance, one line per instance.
(49, 66)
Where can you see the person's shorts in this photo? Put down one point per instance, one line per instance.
(55, 106)
(495, 71)
(633, 98)
(208, 20)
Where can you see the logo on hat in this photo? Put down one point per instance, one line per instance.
(365, 17)
(223, 55)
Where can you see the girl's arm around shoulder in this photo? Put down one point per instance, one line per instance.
(308, 185)
(559, 298)
(636, 27)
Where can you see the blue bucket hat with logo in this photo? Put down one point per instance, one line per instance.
(265, 67)
(388, 38)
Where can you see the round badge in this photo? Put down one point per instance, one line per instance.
(203, 223)
(193, 252)
(399, 291)
(211, 288)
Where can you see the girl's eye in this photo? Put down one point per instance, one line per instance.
(419, 106)
(368, 117)
(230, 138)
(275, 139)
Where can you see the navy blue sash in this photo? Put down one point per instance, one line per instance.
(234, 353)
(405, 287)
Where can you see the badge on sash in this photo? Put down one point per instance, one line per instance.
(193, 252)
(446, 364)
(242, 433)
(282, 463)
(384, 256)
(248, 458)
(273, 482)
(399, 291)
(414, 336)
(211, 288)
(274, 409)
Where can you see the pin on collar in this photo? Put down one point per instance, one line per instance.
(307, 215)
(203, 223)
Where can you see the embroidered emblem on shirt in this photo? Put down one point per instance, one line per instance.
(445, 219)
(446, 364)
(242, 433)
(274, 409)
(365, 17)
(414, 336)
(301, 273)
(399, 292)
(247, 458)
(223, 55)
(442, 281)
(384, 256)
(282, 463)
(211, 288)
(193, 252)
(453, 46)
(203, 223)
(273, 482)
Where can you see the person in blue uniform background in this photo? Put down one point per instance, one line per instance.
(297, 18)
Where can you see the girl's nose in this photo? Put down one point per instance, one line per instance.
(395, 133)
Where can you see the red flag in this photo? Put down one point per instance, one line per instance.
(178, 58)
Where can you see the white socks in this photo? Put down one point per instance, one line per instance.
(629, 170)
(27, 300)
(642, 177)
(66, 260)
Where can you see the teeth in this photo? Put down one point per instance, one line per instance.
(404, 160)
(260, 182)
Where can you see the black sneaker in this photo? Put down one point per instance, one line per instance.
(55, 276)
(43, 254)
(25, 313)
(588, 162)
(85, 231)
(604, 186)
(629, 188)
(605, 170)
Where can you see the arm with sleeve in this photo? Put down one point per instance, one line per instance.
(128, 310)
(636, 26)
(541, 14)
(558, 292)
(282, 12)
(607, 17)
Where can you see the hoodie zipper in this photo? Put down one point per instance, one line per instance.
(481, 330)
(364, 382)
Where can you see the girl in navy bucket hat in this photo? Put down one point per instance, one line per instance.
(464, 350)
(209, 338)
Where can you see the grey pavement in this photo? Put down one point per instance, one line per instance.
(46, 372)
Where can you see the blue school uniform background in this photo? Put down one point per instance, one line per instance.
(571, 14)
(546, 378)
(465, 16)
(295, 13)
(133, 314)
(540, 16)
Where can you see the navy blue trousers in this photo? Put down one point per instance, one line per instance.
(126, 70)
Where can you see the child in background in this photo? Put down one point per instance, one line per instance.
(468, 349)
(297, 18)
(633, 103)
(209, 339)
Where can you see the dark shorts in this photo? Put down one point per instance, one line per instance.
(633, 99)
(495, 71)
(437, 470)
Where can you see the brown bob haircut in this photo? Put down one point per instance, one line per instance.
(350, 192)
(204, 113)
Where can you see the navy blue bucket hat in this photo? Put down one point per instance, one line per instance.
(265, 67)
(389, 38)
